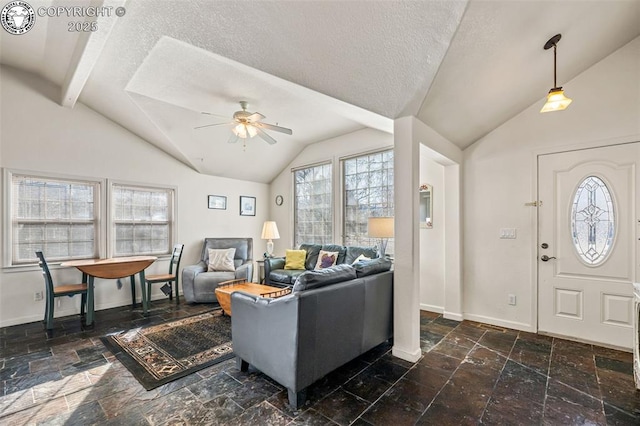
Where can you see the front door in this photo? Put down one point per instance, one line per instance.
(588, 225)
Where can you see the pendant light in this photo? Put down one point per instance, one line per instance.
(556, 100)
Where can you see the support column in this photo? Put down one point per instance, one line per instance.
(406, 313)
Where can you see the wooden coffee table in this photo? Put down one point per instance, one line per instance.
(224, 290)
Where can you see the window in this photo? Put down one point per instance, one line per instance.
(142, 220)
(313, 217)
(368, 191)
(592, 220)
(58, 216)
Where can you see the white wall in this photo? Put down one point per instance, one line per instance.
(500, 177)
(39, 135)
(361, 141)
(432, 239)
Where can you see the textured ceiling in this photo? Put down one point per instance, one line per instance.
(496, 66)
(322, 68)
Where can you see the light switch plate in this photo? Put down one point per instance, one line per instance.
(508, 233)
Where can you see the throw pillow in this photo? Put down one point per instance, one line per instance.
(294, 259)
(326, 259)
(221, 260)
(361, 257)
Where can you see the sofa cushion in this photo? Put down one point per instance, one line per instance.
(285, 276)
(353, 252)
(326, 259)
(312, 255)
(322, 277)
(294, 259)
(221, 260)
(370, 267)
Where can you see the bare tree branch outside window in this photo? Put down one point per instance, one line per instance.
(313, 215)
(368, 191)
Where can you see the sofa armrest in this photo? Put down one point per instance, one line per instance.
(189, 272)
(245, 271)
(265, 334)
(271, 263)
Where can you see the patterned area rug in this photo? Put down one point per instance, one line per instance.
(159, 354)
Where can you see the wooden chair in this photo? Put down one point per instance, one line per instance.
(171, 277)
(58, 291)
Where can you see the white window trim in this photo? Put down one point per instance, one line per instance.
(7, 230)
(111, 235)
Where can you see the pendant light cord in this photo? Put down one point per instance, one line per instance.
(554, 66)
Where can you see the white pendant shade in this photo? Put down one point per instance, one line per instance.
(556, 101)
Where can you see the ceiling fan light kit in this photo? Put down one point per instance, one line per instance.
(556, 100)
(246, 125)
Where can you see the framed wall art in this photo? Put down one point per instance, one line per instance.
(217, 202)
(247, 206)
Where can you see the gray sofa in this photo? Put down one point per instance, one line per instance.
(331, 317)
(276, 275)
(198, 285)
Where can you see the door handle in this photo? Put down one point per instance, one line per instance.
(546, 258)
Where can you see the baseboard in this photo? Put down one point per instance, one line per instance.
(500, 322)
(39, 317)
(431, 308)
(58, 313)
(453, 316)
(412, 356)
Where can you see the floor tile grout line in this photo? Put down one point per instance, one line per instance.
(484, 409)
(415, 364)
(595, 367)
(450, 376)
(386, 391)
(583, 393)
(546, 387)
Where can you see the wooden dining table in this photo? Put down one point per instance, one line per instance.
(113, 268)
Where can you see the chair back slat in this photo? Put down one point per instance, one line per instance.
(176, 256)
(48, 281)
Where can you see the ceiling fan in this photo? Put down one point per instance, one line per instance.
(247, 125)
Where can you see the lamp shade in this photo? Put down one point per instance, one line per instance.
(270, 231)
(380, 227)
(556, 100)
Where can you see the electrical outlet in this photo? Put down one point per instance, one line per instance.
(38, 296)
(512, 299)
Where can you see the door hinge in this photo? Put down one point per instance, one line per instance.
(534, 204)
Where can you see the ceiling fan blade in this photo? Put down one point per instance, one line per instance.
(256, 116)
(215, 115)
(233, 138)
(274, 128)
(265, 136)
(212, 125)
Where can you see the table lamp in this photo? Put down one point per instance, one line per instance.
(381, 227)
(270, 232)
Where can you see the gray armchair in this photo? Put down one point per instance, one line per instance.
(198, 285)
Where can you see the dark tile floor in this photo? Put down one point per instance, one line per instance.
(470, 374)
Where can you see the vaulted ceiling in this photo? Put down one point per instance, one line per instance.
(322, 68)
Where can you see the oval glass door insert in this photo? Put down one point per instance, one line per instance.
(593, 220)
